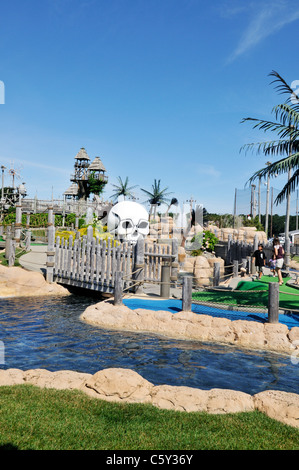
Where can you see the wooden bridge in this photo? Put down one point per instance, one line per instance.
(98, 265)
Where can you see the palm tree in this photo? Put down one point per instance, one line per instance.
(157, 197)
(286, 127)
(122, 189)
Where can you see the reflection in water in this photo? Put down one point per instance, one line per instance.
(47, 333)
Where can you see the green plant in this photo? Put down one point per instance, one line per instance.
(95, 186)
(209, 240)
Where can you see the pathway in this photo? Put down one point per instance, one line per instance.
(35, 260)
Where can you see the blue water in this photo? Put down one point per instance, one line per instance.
(174, 305)
(47, 333)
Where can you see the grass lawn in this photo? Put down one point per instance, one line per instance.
(252, 293)
(47, 419)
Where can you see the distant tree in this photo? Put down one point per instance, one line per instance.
(157, 197)
(95, 186)
(122, 189)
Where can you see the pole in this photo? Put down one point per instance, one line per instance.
(187, 294)
(216, 277)
(297, 211)
(287, 221)
(235, 208)
(118, 289)
(259, 199)
(271, 224)
(273, 302)
(267, 202)
(165, 279)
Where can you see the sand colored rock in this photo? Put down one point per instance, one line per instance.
(125, 385)
(117, 384)
(202, 271)
(63, 379)
(18, 282)
(279, 405)
(193, 326)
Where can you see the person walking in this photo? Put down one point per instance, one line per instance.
(278, 256)
(260, 259)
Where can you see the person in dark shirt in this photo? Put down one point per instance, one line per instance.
(260, 259)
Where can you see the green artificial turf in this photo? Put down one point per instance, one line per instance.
(252, 293)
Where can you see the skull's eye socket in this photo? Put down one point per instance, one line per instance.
(142, 225)
(127, 224)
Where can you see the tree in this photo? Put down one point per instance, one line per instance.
(122, 189)
(157, 197)
(95, 185)
(286, 127)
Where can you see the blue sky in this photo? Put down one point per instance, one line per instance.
(156, 88)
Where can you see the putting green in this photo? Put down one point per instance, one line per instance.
(252, 293)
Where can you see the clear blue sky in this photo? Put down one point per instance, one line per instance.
(156, 88)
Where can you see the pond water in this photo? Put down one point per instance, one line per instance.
(47, 333)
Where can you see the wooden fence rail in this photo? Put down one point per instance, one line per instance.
(92, 264)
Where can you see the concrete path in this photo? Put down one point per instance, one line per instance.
(35, 260)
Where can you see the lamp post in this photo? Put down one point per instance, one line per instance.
(2, 191)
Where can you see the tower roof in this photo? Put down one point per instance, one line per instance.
(72, 190)
(82, 155)
(97, 165)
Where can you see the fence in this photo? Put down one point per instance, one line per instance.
(91, 263)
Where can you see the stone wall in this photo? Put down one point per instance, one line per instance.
(191, 326)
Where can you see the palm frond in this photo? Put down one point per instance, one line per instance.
(288, 116)
(288, 188)
(261, 124)
(283, 86)
(273, 147)
(276, 168)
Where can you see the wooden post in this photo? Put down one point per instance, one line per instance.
(118, 288)
(28, 240)
(8, 238)
(50, 254)
(174, 264)
(165, 278)
(12, 253)
(248, 265)
(187, 294)
(28, 220)
(139, 266)
(236, 266)
(18, 224)
(273, 302)
(216, 276)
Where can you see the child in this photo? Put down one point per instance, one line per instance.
(260, 259)
(279, 254)
(272, 265)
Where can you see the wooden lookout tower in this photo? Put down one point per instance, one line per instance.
(87, 176)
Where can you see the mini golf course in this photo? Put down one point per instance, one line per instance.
(251, 294)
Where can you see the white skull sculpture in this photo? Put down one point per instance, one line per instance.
(128, 221)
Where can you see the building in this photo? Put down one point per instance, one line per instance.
(88, 177)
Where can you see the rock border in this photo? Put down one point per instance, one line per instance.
(125, 385)
(274, 337)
